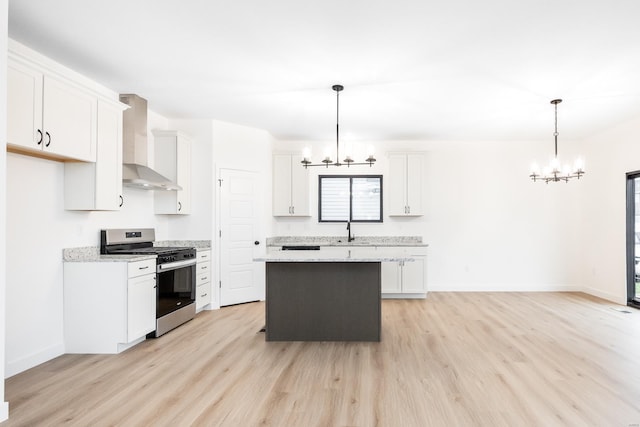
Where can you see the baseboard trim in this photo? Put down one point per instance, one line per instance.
(21, 365)
(4, 411)
(606, 295)
(500, 287)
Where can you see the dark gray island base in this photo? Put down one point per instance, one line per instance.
(323, 301)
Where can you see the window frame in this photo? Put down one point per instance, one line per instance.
(351, 177)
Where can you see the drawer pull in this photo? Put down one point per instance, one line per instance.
(143, 268)
(203, 295)
(204, 278)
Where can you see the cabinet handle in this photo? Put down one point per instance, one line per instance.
(203, 256)
(203, 295)
(408, 209)
(143, 268)
(293, 209)
(204, 278)
(204, 267)
(41, 136)
(49, 140)
(121, 201)
(179, 206)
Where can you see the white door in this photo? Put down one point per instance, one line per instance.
(239, 275)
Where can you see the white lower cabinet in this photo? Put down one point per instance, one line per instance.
(108, 306)
(203, 279)
(406, 279)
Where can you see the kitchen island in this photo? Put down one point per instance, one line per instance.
(318, 296)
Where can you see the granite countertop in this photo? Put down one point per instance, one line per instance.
(342, 241)
(345, 255)
(92, 253)
(198, 244)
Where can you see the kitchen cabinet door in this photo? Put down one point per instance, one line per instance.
(24, 107)
(173, 161)
(141, 306)
(281, 185)
(290, 186)
(69, 120)
(413, 276)
(299, 188)
(397, 193)
(414, 184)
(405, 184)
(98, 186)
(391, 277)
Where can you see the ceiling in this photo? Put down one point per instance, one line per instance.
(412, 69)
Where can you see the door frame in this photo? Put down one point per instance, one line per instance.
(630, 237)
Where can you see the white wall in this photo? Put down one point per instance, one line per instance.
(611, 154)
(38, 229)
(4, 407)
(488, 226)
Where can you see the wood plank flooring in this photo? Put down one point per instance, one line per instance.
(454, 359)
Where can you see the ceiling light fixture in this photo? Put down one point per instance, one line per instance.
(553, 172)
(327, 159)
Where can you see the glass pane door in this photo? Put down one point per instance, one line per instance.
(636, 239)
(633, 238)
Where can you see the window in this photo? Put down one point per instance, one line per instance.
(356, 198)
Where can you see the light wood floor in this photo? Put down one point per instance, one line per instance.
(455, 359)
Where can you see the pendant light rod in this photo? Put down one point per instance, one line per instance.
(338, 89)
(555, 102)
(348, 160)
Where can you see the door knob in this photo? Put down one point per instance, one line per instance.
(257, 242)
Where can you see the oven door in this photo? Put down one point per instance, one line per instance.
(176, 286)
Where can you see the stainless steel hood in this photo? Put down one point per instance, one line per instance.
(135, 170)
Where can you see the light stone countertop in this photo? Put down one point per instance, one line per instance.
(200, 245)
(342, 241)
(345, 255)
(92, 253)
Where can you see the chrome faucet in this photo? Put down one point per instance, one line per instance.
(349, 238)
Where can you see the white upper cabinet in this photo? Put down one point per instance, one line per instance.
(98, 186)
(49, 116)
(173, 161)
(290, 186)
(405, 184)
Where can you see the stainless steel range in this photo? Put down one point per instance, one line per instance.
(175, 274)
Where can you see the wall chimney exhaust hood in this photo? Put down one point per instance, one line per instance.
(135, 170)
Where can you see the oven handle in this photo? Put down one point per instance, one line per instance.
(175, 265)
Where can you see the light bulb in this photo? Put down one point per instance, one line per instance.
(535, 169)
(566, 170)
(327, 153)
(306, 153)
(578, 166)
(555, 165)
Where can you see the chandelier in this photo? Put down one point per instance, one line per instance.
(554, 172)
(327, 160)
